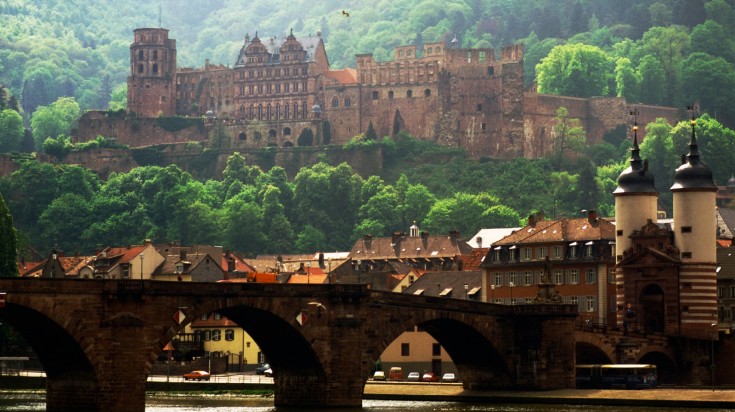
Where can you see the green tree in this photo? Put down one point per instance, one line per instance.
(119, 98)
(11, 131)
(569, 137)
(370, 133)
(574, 70)
(652, 79)
(306, 137)
(8, 242)
(627, 80)
(54, 120)
(711, 82)
(667, 45)
(310, 240)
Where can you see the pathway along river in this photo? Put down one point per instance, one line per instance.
(35, 401)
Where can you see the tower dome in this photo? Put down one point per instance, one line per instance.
(693, 174)
(731, 181)
(636, 178)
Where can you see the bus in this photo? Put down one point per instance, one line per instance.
(621, 376)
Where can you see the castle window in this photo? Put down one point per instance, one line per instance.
(400, 54)
(409, 93)
(295, 110)
(469, 57)
(269, 111)
(286, 87)
(242, 75)
(242, 89)
(269, 88)
(242, 136)
(375, 95)
(287, 130)
(479, 107)
(260, 112)
(335, 102)
(250, 74)
(490, 70)
(438, 49)
(140, 68)
(390, 95)
(686, 229)
(278, 111)
(483, 126)
(429, 50)
(272, 133)
(278, 88)
(348, 101)
(278, 72)
(286, 72)
(482, 57)
(260, 89)
(141, 56)
(286, 111)
(155, 54)
(427, 93)
(303, 110)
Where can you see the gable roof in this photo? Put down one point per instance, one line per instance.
(561, 230)
(400, 246)
(343, 76)
(446, 284)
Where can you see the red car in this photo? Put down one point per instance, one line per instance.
(430, 377)
(196, 376)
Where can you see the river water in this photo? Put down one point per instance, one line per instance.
(34, 401)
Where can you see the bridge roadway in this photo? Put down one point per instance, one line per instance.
(97, 339)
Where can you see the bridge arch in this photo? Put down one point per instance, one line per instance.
(664, 360)
(592, 347)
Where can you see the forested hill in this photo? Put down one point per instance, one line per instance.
(78, 48)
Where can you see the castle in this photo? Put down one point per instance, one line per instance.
(278, 87)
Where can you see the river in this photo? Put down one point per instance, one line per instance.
(34, 401)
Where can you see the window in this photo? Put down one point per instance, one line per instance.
(427, 93)
(527, 253)
(140, 68)
(141, 56)
(590, 307)
(528, 278)
(573, 300)
(229, 335)
(390, 94)
(375, 95)
(348, 101)
(409, 93)
(217, 316)
(611, 275)
(436, 349)
(619, 233)
(686, 229)
(405, 349)
(512, 253)
(204, 317)
(479, 107)
(573, 276)
(207, 335)
(490, 71)
(155, 54)
(498, 278)
(216, 334)
(557, 252)
(512, 279)
(483, 126)
(542, 252)
(588, 250)
(686, 255)
(558, 276)
(590, 276)
(573, 251)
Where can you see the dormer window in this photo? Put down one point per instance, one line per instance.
(179, 267)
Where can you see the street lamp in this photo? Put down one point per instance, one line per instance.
(141, 265)
(466, 293)
(492, 293)
(308, 272)
(511, 284)
(712, 356)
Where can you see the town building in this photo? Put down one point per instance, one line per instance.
(576, 255)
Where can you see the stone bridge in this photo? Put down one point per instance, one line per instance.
(98, 339)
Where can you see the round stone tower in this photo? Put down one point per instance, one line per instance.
(636, 202)
(695, 231)
(152, 73)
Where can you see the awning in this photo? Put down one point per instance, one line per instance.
(573, 244)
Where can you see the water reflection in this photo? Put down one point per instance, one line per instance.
(34, 401)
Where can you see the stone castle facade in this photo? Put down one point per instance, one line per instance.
(277, 88)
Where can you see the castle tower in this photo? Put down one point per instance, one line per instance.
(636, 202)
(695, 231)
(152, 73)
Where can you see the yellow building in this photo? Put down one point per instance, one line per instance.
(222, 337)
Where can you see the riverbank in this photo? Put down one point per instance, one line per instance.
(403, 391)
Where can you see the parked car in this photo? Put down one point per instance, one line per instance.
(260, 370)
(196, 376)
(268, 372)
(413, 377)
(449, 377)
(430, 377)
(379, 376)
(395, 374)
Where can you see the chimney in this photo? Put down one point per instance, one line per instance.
(321, 260)
(454, 234)
(230, 265)
(367, 241)
(540, 216)
(182, 254)
(592, 216)
(531, 220)
(479, 241)
(395, 237)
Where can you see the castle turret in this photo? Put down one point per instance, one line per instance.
(695, 231)
(636, 203)
(152, 73)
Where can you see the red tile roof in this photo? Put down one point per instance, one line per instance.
(562, 230)
(343, 76)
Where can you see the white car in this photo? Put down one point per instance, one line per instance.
(379, 376)
(449, 377)
(413, 377)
